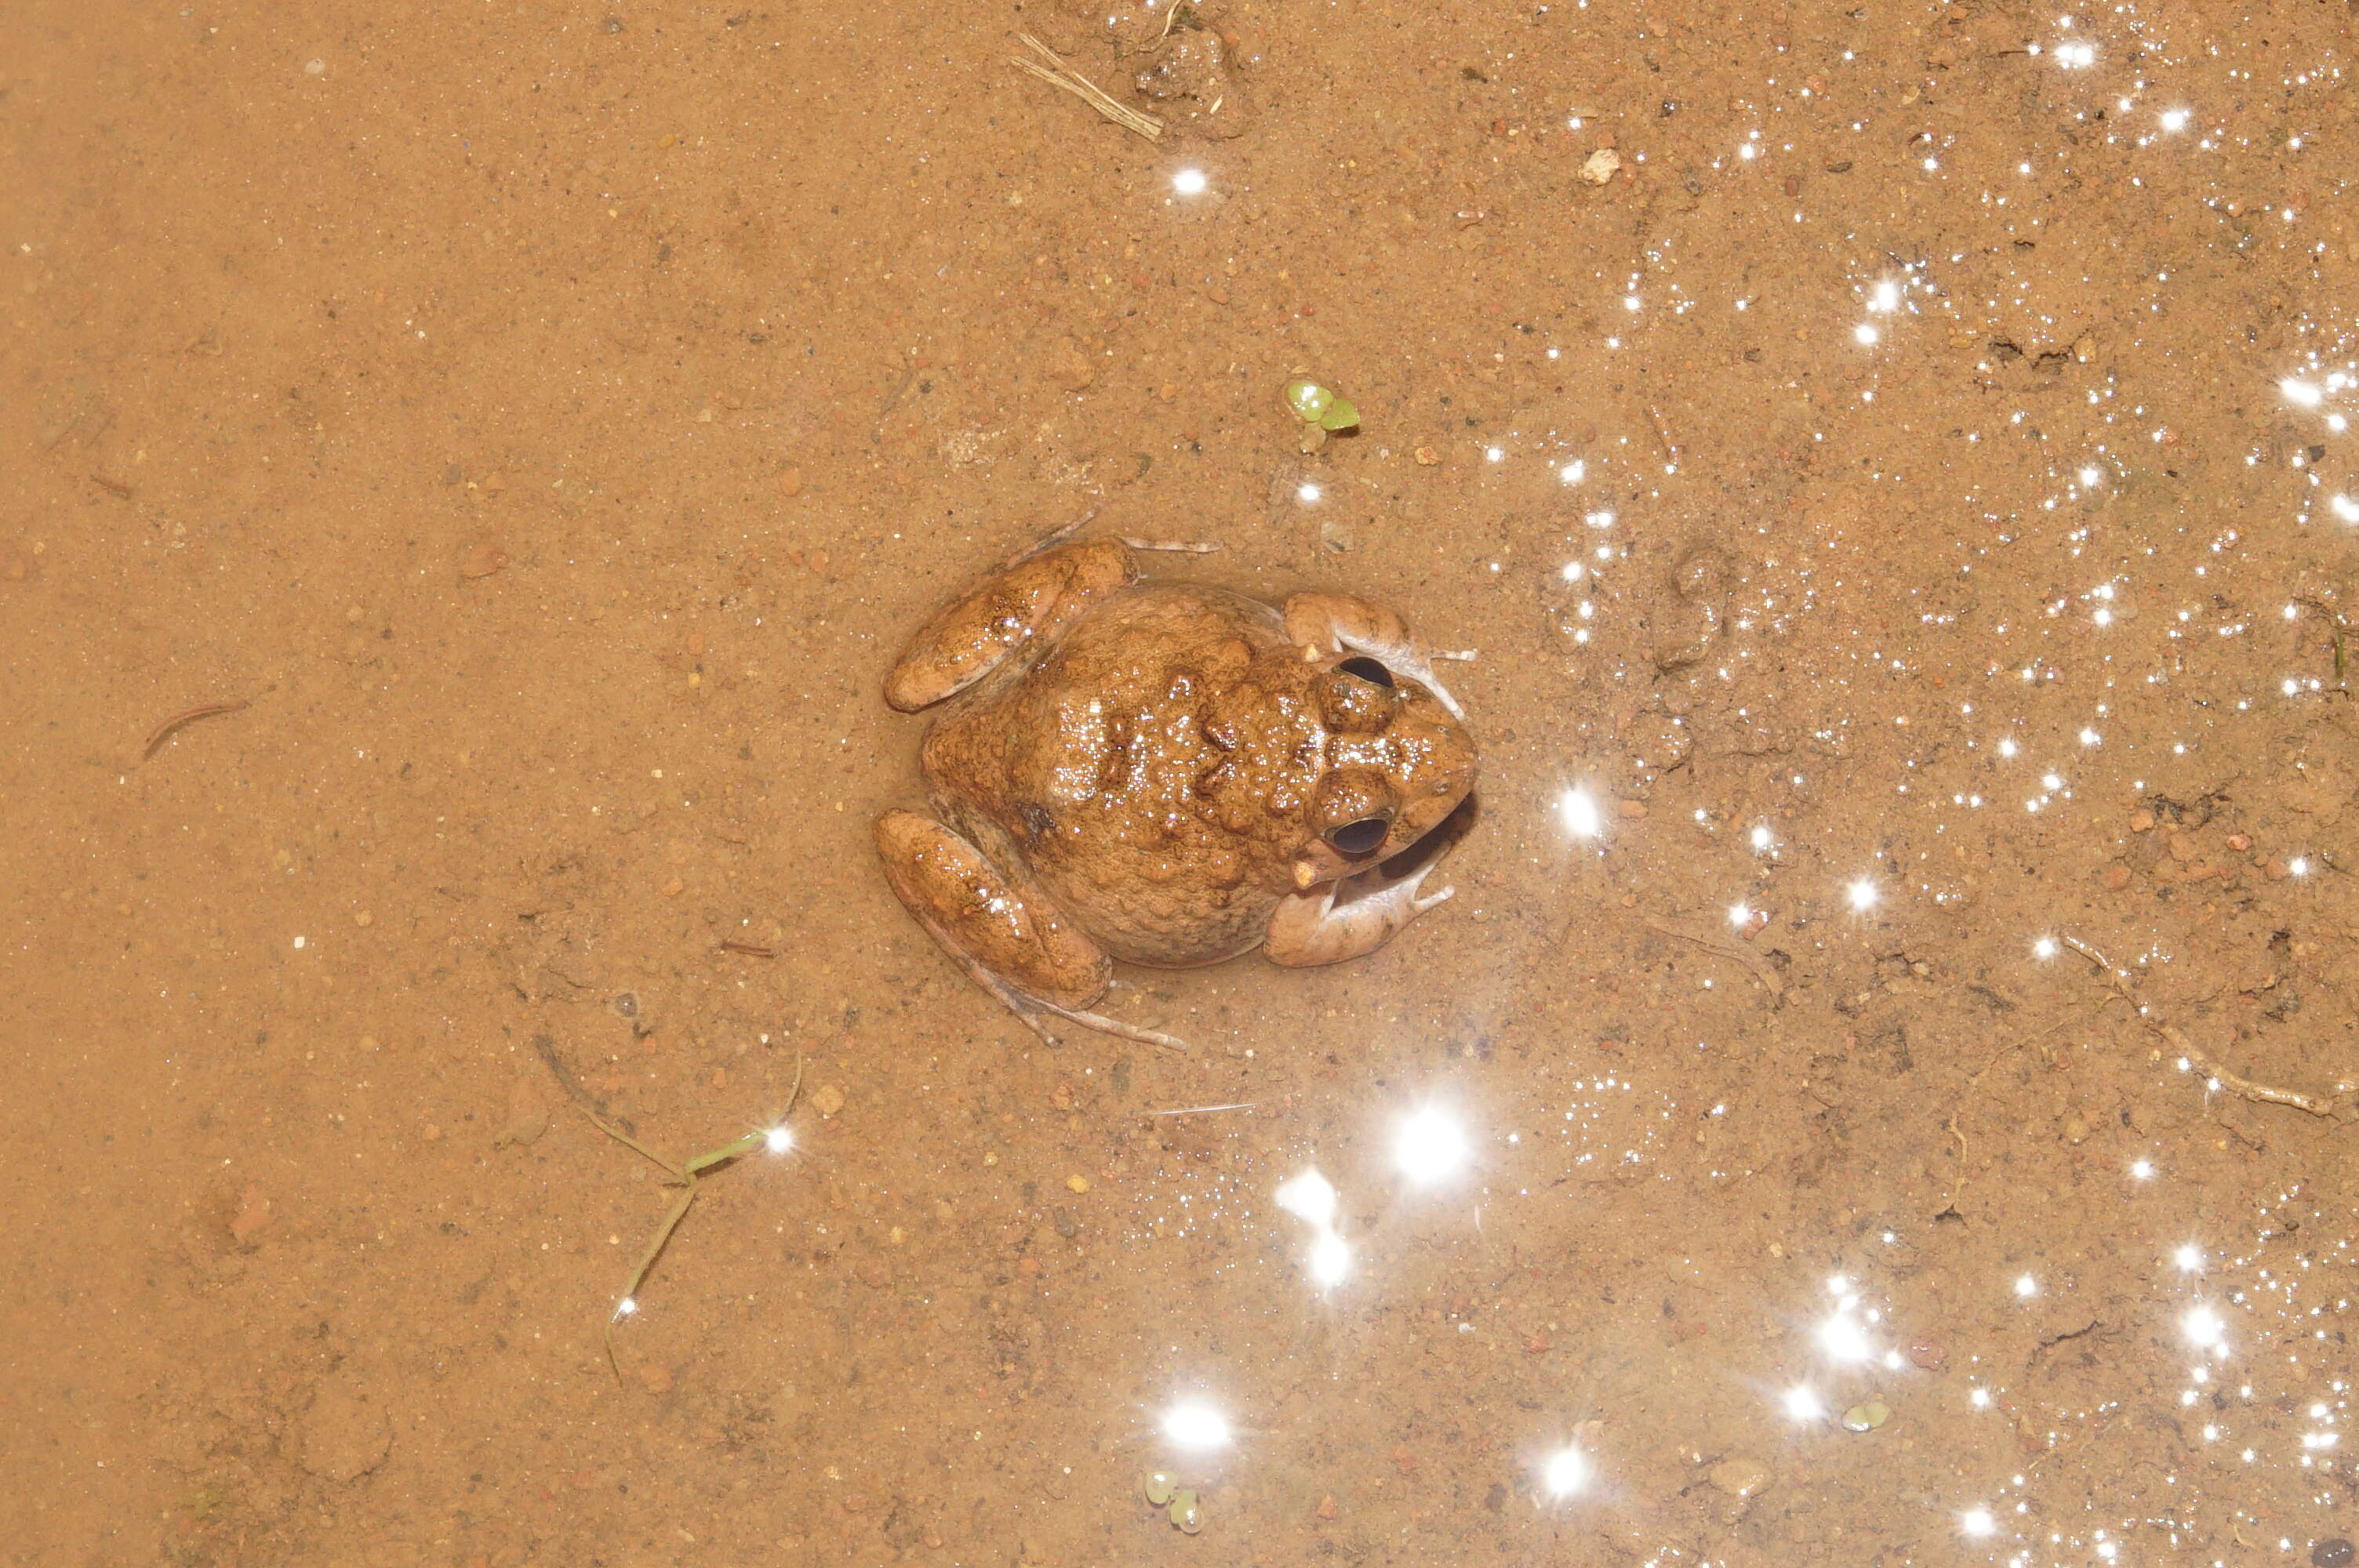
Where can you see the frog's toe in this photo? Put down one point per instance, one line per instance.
(998, 925)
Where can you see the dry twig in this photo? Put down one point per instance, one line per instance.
(1058, 74)
(2340, 1107)
(1728, 947)
(163, 733)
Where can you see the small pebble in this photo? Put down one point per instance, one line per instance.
(2141, 821)
(827, 1099)
(790, 481)
(2331, 1553)
(1078, 1183)
(483, 561)
(1600, 166)
(315, 67)
(1741, 1477)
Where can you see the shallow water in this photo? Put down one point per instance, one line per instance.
(1906, 516)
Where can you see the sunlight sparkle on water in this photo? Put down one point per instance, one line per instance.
(2203, 1327)
(777, 1140)
(2026, 1286)
(2301, 394)
(1863, 894)
(2174, 119)
(1760, 837)
(1309, 1197)
(2044, 948)
(1331, 1260)
(1193, 1424)
(1578, 808)
(1308, 493)
(1803, 1404)
(1977, 1522)
(1843, 1339)
(2189, 1257)
(2141, 1170)
(1566, 1471)
(1188, 183)
(1430, 1145)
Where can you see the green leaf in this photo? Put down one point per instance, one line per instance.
(1308, 399)
(1339, 416)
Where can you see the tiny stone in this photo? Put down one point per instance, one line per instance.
(1741, 1477)
(827, 1099)
(2332, 1553)
(2141, 821)
(1600, 166)
(790, 480)
(363, 918)
(2116, 876)
(1078, 1183)
(315, 67)
(483, 561)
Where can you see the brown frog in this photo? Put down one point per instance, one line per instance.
(1164, 773)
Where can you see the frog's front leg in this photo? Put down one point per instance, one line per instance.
(1346, 918)
(971, 635)
(999, 927)
(1338, 623)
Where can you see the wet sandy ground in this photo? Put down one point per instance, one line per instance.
(1907, 517)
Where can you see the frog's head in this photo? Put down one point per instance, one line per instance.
(1398, 761)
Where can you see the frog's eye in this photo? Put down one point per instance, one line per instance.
(1367, 669)
(1360, 837)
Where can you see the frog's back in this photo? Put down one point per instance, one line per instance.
(1100, 765)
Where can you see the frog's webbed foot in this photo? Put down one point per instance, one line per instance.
(1338, 623)
(1347, 918)
(999, 927)
(973, 635)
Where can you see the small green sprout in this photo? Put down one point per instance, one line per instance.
(1321, 410)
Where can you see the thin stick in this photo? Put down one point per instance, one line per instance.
(1181, 546)
(685, 1176)
(752, 949)
(163, 733)
(1201, 1110)
(1729, 948)
(2340, 1107)
(1058, 74)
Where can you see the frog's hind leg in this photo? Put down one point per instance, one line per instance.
(1001, 928)
(1035, 596)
